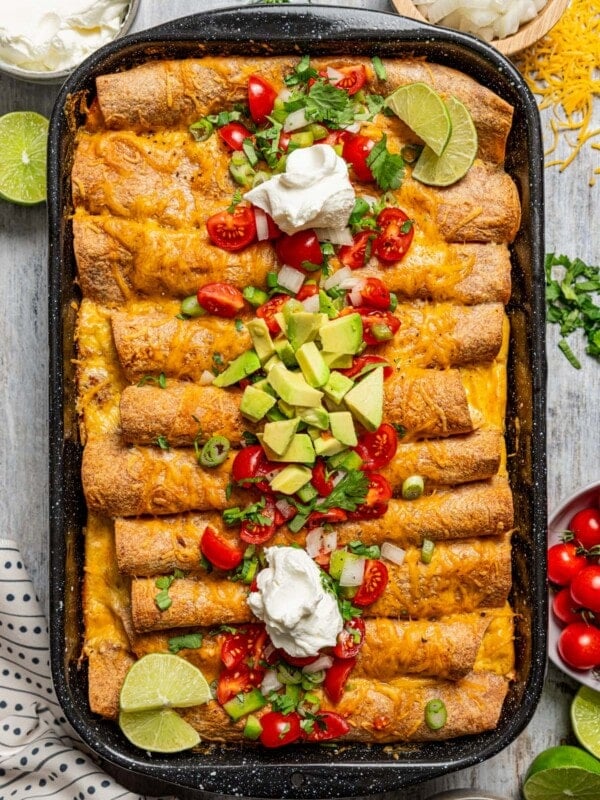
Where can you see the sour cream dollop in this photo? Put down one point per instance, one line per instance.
(313, 192)
(48, 35)
(299, 615)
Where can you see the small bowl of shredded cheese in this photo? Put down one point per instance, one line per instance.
(509, 25)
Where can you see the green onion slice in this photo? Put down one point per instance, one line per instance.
(435, 714)
(427, 549)
(413, 487)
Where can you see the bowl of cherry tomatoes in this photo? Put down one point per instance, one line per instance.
(574, 577)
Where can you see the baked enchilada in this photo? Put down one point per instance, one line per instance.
(291, 386)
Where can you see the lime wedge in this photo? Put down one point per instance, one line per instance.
(563, 772)
(23, 138)
(424, 111)
(585, 717)
(160, 731)
(458, 155)
(161, 680)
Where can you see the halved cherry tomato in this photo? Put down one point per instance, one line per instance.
(268, 310)
(297, 661)
(336, 677)
(336, 137)
(232, 231)
(586, 527)
(218, 551)
(233, 134)
(357, 254)
(375, 294)
(355, 152)
(308, 290)
(579, 645)
(259, 532)
(327, 725)
(261, 98)
(221, 299)
(236, 681)
(378, 326)
(361, 362)
(564, 609)
(379, 448)
(300, 247)
(316, 518)
(279, 729)
(564, 562)
(244, 647)
(350, 640)
(319, 480)
(249, 463)
(396, 235)
(353, 80)
(373, 585)
(585, 588)
(378, 495)
(284, 140)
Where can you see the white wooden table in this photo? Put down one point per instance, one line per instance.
(572, 210)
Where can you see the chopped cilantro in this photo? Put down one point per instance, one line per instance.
(302, 74)
(161, 380)
(235, 200)
(191, 641)
(239, 325)
(387, 168)
(379, 68)
(361, 549)
(162, 442)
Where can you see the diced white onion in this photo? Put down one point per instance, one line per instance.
(353, 127)
(368, 198)
(206, 378)
(284, 94)
(337, 477)
(391, 552)
(285, 507)
(319, 542)
(335, 235)
(323, 662)
(337, 277)
(270, 682)
(330, 542)
(353, 572)
(312, 304)
(488, 19)
(351, 283)
(262, 226)
(290, 278)
(334, 75)
(295, 120)
(356, 295)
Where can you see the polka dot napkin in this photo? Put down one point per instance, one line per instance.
(40, 755)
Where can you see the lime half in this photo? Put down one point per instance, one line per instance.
(585, 717)
(458, 155)
(563, 773)
(162, 680)
(424, 111)
(160, 731)
(23, 139)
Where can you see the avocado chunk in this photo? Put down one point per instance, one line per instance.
(347, 459)
(342, 427)
(264, 386)
(328, 446)
(307, 492)
(316, 417)
(337, 360)
(268, 365)
(300, 451)
(285, 351)
(337, 386)
(255, 403)
(261, 339)
(292, 387)
(290, 479)
(239, 368)
(278, 435)
(365, 400)
(314, 369)
(302, 326)
(328, 306)
(252, 728)
(286, 409)
(342, 335)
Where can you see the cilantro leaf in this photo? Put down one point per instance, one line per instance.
(348, 494)
(191, 641)
(302, 74)
(387, 168)
(326, 103)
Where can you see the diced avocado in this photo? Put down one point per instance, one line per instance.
(285, 351)
(365, 400)
(327, 305)
(314, 433)
(337, 360)
(302, 326)
(292, 387)
(307, 493)
(261, 339)
(314, 369)
(278, 435)
(274, 414)
(337, 386)
(348, 460)
(317, 417)
(268, 365)
(255, 403)
(292, 306)
(286, 409)
(291, 478)
(342, 427)
(300, 451)
(342, 335)
(243, 704)
(252, 728)
(280, 319)
(328, 446)
(239, 368)
(331, 406)
(264, 385)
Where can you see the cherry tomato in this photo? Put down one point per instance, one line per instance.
(221, 299)
(284, 140)
(563, 607)
(299, 248)
(579, 645)
(250, 463)
(234, 134)
(327, 725)
(261, 98)
(316, 518)
(361, 362)
(376, 504)
(232, 231)
(244, 647)
(375, 294)
(297, 661)
(353, 80)
(396, 235)
(586, 527)
(258, 532)
(350, 639)
(378, 326)
(308, 290)
(564, 563)
(373, 585)
(336, 137)
(218, 551)
(379, 448)
(336, 677)
(357, 254)
(268, 310)
(279, 729)
(585, 588)
(319, 480)
(236, 681)
(355, 152)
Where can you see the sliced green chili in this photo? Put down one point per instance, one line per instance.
(190, 307)
(413, 487)
(214, 451)
(202, 130)
(435, 714)
(427, 549)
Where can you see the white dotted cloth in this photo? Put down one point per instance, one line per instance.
(39, 752)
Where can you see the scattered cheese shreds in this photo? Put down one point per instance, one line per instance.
(563, 70)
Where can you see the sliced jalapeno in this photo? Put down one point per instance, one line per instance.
(202, 130)
(214, 451)
(413, 487)
(435, 714)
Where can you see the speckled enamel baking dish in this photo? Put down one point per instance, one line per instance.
(304, 771)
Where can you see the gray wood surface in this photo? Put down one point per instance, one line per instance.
(573, 396)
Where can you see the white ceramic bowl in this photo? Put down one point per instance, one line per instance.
(559, 520)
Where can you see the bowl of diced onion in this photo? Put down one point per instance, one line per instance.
(509, 25)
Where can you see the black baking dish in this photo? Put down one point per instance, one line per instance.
(303, 771)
